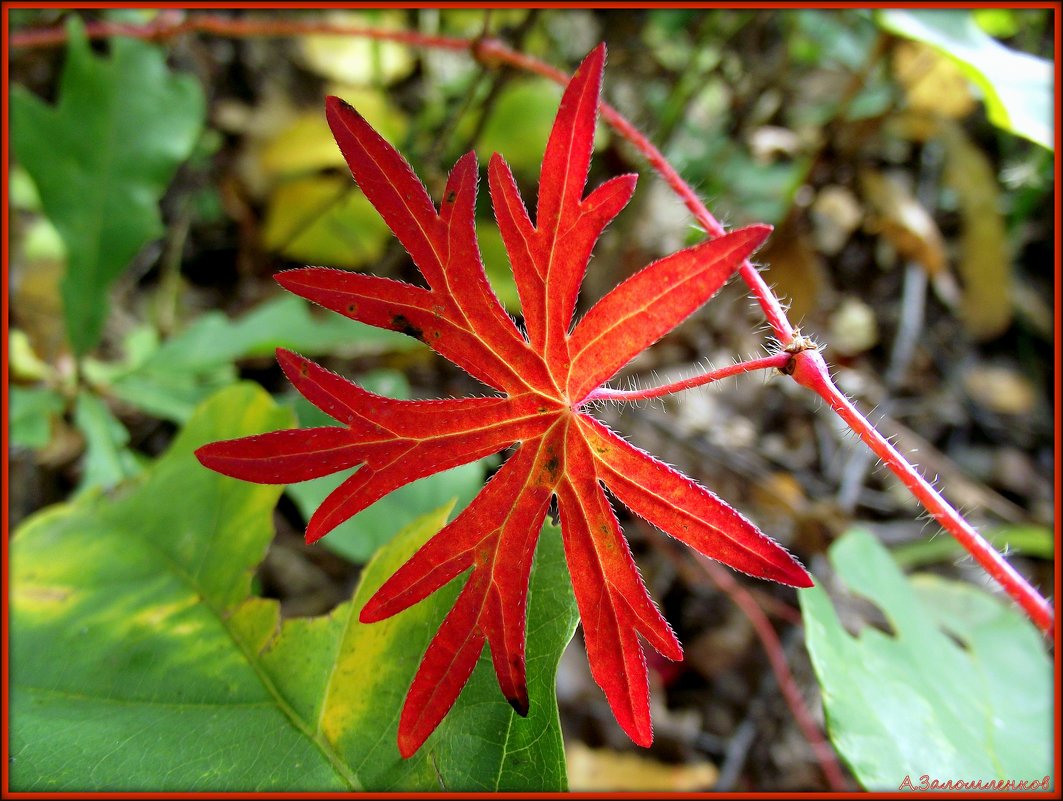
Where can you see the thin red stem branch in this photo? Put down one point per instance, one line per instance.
(172, 24)
(810, 370)
(492, 52)
(486, 50)
(777, 361)
(1039, 610)
(825, 756)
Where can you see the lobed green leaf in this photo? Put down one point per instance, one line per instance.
(101, 159)
(961, 690)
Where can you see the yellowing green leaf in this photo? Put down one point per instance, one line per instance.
(358, 59)
(359, 537)
(140, 660)
(984, 257)
(324, 221)
(23, 362)
(304, 146)
(376, 106)
(482, 745)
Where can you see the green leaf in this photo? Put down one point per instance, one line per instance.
(139, 659)
(170, 380)
(107, 461)
(962, 690)
(285, 321)
(358, 539)
(482, 745)
(1018, 87)
(1035, 541)
(101, 160)
(496, 265)
(30, 415)
(518, 124)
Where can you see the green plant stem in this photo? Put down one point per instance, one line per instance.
(811, 371)
(777, 361)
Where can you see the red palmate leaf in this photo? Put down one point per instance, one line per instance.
(545, 377)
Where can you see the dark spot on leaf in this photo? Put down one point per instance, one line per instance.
(351, 308)
(520, 706)
(451, 196)
(552, 464)
(401, 324)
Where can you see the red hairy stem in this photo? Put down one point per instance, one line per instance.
(769, 303)
(810, 371)
(777, 361)
(493, 52)
(169, 25)
(817, 377)
(488, 51)
(543, 374)
(825, 756)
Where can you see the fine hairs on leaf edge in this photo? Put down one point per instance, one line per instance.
(559, 451)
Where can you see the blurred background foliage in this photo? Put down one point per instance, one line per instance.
(905, 158)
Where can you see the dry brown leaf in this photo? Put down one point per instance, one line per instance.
(903, 221)
(36, 305)
(835, 213)
(1000, 389)
(593, 769)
